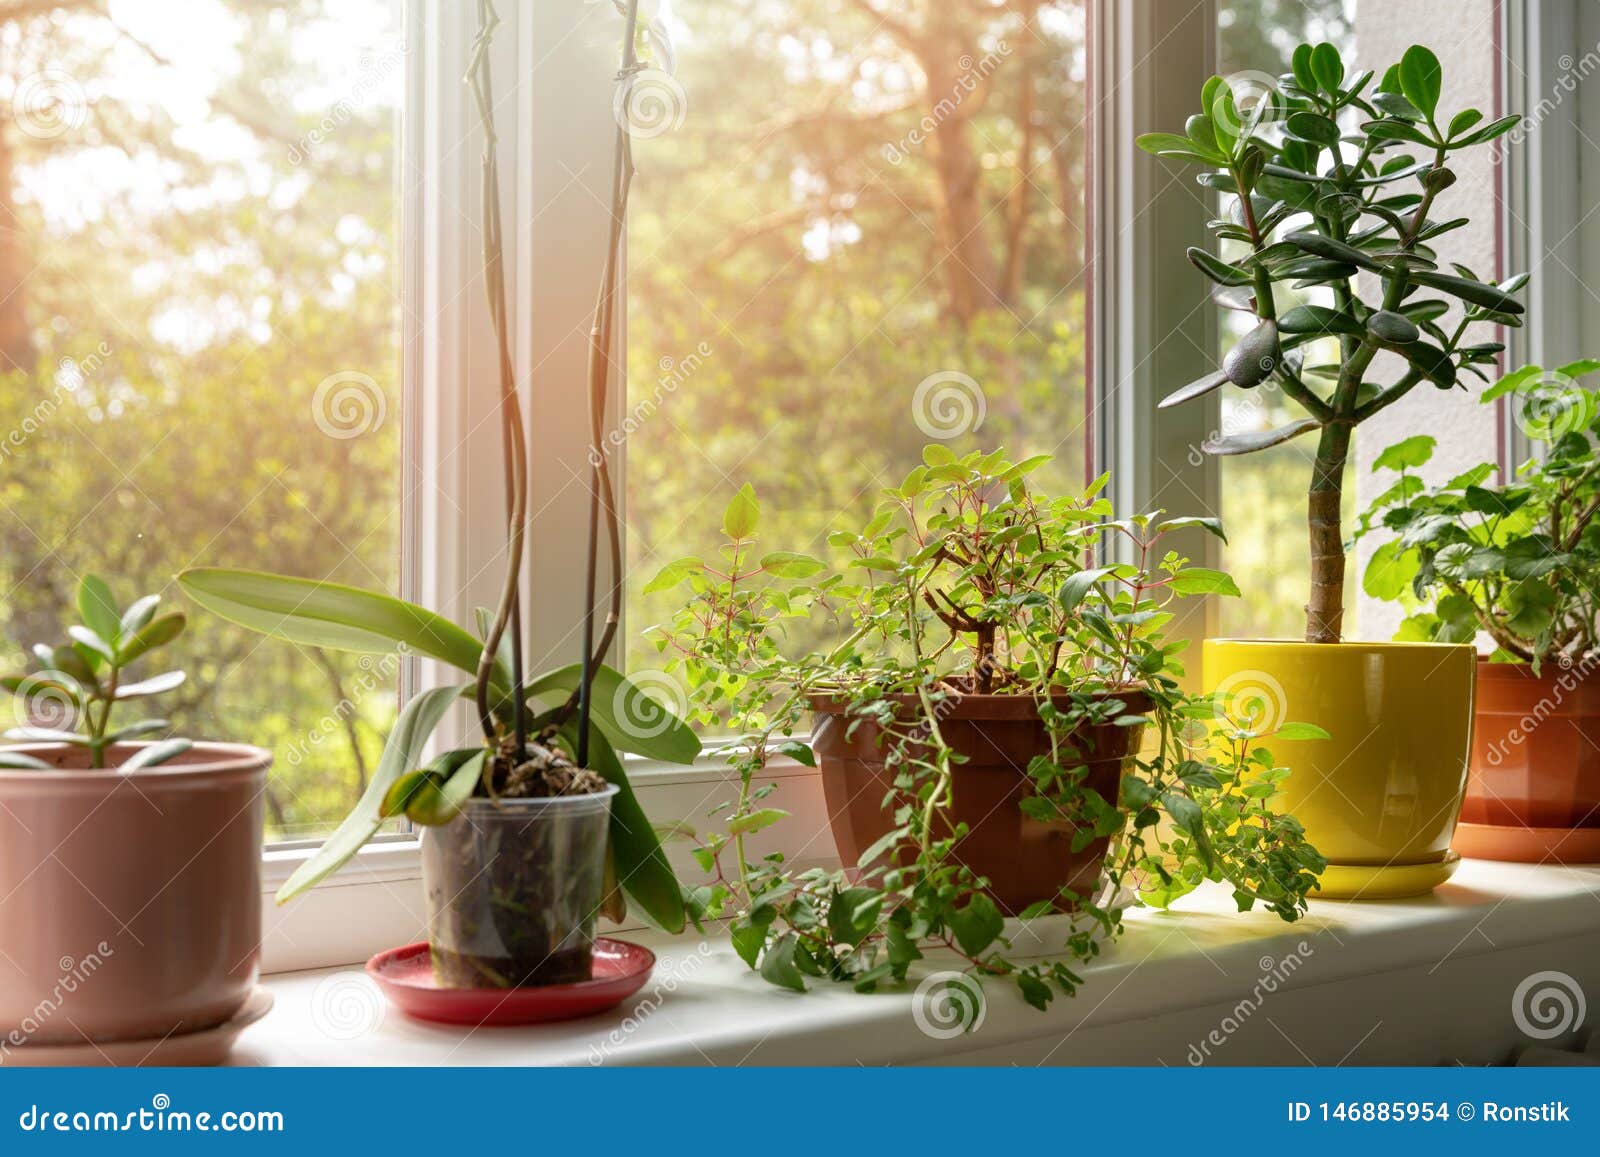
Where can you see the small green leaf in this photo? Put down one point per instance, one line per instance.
(1327, 67)
(740, 519)
(1421, 78)
(1298, 731)
(786, 564)
(1198, 580)
(672, 574)
(977, 925)
(1407, 454)
(778, 966)
(156, 633)
(753, 822)
(21, 761)
(99, 609)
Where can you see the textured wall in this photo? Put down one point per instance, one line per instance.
(1462, 34)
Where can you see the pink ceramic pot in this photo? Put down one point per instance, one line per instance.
(130, 905)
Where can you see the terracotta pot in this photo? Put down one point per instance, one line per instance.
(1536, 748)
(1025, 860)
(130, 905)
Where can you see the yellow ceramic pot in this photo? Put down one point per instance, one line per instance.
(1381, 797)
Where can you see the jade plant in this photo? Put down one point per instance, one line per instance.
(1334, 187)
(553, 734)
(72, 696)
(1518, 561)
(967, 580)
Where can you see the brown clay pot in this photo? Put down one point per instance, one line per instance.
(1535, 748)
(1025, 860)
(130, 905)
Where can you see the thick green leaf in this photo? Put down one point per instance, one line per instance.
(1230, 444)
(99, 609)
(156, 753)
(1327, 67)
(1420, 79)
(155, 633)
(136, 616)
(1195, 389)
(461, 772)
(155, 685)
(630, 719)
(1318, 319)
(92, 641)
(642, 868)
(21, 761)
(1475, 292)
(1216, 269)
(1313, 127)
(410, 735)
(341, 618)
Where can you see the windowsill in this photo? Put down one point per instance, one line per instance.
(1424, 981)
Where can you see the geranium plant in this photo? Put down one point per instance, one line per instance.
(967, 582)
(1331, 178)
(1518, 562)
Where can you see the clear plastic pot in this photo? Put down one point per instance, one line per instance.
(513, 890)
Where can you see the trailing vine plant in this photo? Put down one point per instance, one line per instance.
(966, 580)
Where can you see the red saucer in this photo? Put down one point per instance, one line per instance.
(406, 977)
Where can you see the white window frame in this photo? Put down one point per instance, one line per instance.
(1148, 331)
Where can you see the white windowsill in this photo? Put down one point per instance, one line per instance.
(1425, 981)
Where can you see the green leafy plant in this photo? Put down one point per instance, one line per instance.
(1330, 178)
(964, 581)
(80, 682)
(554, 734)
(1519, 561)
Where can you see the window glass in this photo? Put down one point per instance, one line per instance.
(857, 227)
(199, 343)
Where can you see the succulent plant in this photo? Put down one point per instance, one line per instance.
(80, 682)
(1333, 184)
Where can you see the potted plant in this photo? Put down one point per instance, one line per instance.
(1517, 564)
(978, 714)
(130, 888)
(1334, 186)
(533, 831)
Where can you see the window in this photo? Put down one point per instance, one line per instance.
(199, 339)
(856, 228)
